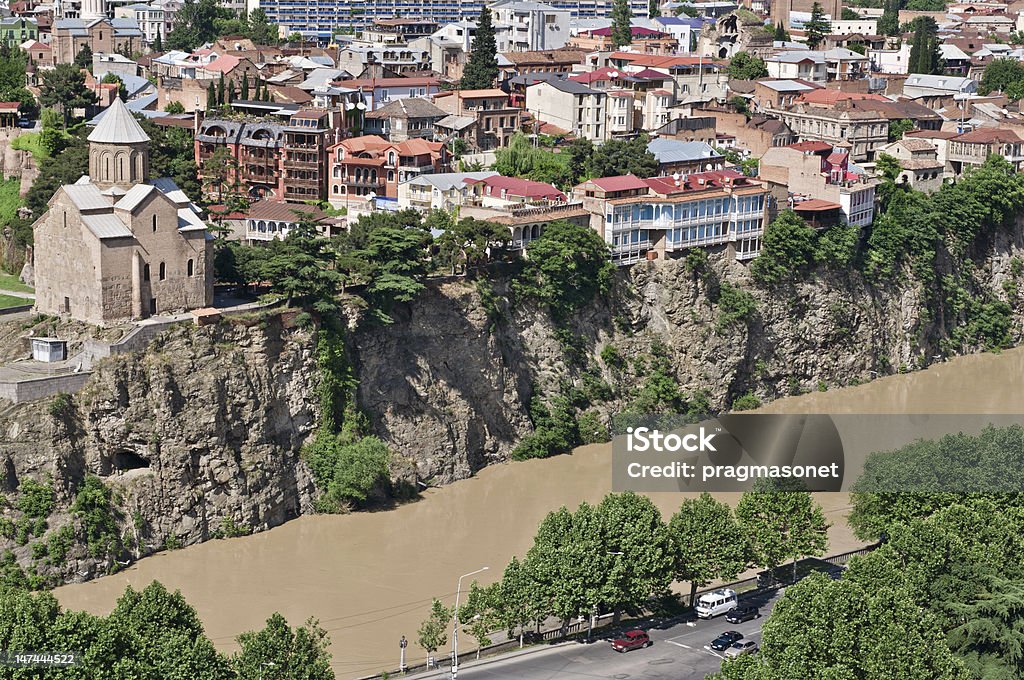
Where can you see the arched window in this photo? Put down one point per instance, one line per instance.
(154, 223)
(163, 271)
(65, 219)
(191, 267)
(120, 167)
(106, 166)
(145, 272)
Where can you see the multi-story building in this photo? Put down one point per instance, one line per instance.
(404, 119)
(151, 18)
(645, 41)
(970, 149)
(376, 92)
(570, 106)
(816, 171)
(525, 25)
(399, 31)
(99, 35)
(862, 132)
(920, 167)
(494, 119)
(442, 191)
(685, 157)
(394, 58)
(648, 219)
(321, 19)
(17, 30)
(269, 220)
(818, 66)
(365, 167)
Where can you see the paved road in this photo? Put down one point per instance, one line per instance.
(678, 653)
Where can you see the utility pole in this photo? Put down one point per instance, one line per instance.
(455, 629)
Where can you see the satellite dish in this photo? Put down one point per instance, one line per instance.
(676, 176)
(361, 106)
(349, 106)
(613, 74)
(372, 195)
(709, 167)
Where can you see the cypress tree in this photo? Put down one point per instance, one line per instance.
(481, 69)
(245, 87)
(817, 27)
(232, 94)
(653, 9)
(622, 15)
(781, 34)
(158, 44)
(221, 101)
(924, 49)
(211, 97)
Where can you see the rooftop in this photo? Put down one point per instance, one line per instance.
(118, 127)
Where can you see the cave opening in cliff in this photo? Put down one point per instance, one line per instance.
(129, 460)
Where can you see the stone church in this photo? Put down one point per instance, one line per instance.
(116, 246)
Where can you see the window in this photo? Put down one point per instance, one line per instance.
(191, 267)
(154, 223)
(163, 271)
(145, 272)
(65, 219)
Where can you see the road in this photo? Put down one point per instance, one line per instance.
(678, 653)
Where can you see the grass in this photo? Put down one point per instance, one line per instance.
(10, 199)
(29, 141)
(11, 301)
(11, 282)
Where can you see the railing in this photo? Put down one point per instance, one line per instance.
(546, 207)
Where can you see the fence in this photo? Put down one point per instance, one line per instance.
(745, 588)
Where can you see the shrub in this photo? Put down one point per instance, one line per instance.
(747, 402)
(611, 357)
(591, 429)
(94, 506)
(61, 407)
(787, 251)
(36, 499)
(735, 307)
(555, 430)
(346, 473)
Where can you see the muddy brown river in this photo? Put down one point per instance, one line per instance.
(369, 577)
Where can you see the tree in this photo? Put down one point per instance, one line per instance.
(396, 261)
(476, 614)
(990, 638)
(567, 267)
(218, 168)
(67, 168)
(433, 632)
(83, 60)
(840, 630)
(346, 472)
(1002, 75)
(300, 267)
(517, 601)
(924, 50)
(244, 94)
(889, 22)
(782, 521)
(653, 9)
(621, 157)
(481, 69)
(113, 78)
(280, 652)
(261, 31)
(158, 42)
(211, 97)
(174, 108)
(781, 34)
(899, 128)
(849, 15)
(746, 66)
(195, 23)
(787, 252)
(817, 27)
(231, 94)
(633, 526)
(221, 91)
(64, 88)
(470, 242)
(709, 543)
(622, 17)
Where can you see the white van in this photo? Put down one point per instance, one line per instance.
(715, 603)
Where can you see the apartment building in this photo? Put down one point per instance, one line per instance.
(493, 119)
(365, 167)
(862, 132)
(970, 149)
(404, 119)
(17, 30)
(524, 25)
(648, 219)
(570, 106)
(377, 92)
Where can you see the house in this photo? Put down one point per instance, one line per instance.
(660, 217)
(39, 54)
(495, 120)
(441, 191)
(524, 26)
(817, 171)
(17, 30)
(693, 129)
(644, 41)
(685, 157)
(497, 191)
(403, 119)
(860, 131)
(970, 149)
(113, 246)
(269, 220)
(683, 28)
(805, 65)
(918, 85)
(366, 167)
(569, 105)
(99, 35)
(920, 167)
(376, 92)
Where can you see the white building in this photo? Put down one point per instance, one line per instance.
(851, 26)
(524, 25)
(805, 65)
(443, 191)
(569, 105)
(919, 85)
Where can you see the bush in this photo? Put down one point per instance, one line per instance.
(555, 430)
(347, 473)
(787, 252)
(94, 506)
(735, 307)
(36, 499)
(747, 402)
(611, 357)
(59, 543)
(592, 430)
(61, 407)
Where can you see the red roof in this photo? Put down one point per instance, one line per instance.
(620, 183)
(388, 82)
(811, 147)
(636, 31)
(837, 157)
(660, 61)
(651, 73)
(988, 136)
(816, 205)
(603, 73)
(514, 186)
(696, 181)
(224, 63)
(7, 106)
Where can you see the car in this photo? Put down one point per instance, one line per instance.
(741, 648)
(726, 640)
(741, 614)
(632, 639)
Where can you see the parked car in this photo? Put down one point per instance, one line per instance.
(741, 648)
(726, 640)
(715, 603)
(741, 614)
(632, 639)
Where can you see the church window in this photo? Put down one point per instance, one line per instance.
(145, 272)
(163, 271)
(191, 267)
(154, 223)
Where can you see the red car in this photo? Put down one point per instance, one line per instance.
(632, 639)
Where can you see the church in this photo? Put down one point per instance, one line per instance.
(116, 246)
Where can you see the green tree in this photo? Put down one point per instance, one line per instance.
(261, 31)
(476, 614)
(221, 91)
(990, 639)
(83, 60)
(781, 34)
(567, 267)
(67, 168)
(781, 521)
(232, 94)
(218, 169)
(924, 49)
(196, 23)
(633, 526)
(653, 9)
(787, 250)
(175, 108)
(211, 97)
(620, 157)
(470, 241)
(172, 154)
(347, 473)
(889, 22)
(849, 15)
(622, 17)
(481, 69)
(158, 42)
(300, 267)
(113, 78)
(899, 128)
(709, 543)
(94, 508)
(817, 27)
(280, 652)
(517, 601)
(433, 632)
(244, 94)
(395, 261)
(1002, 75)
(746, 66)
(64, 88)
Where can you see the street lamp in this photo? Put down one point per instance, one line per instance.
(402, 644)
(455, 629)
(266, 664)
(593, 610)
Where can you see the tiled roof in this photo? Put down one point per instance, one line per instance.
(514, 186)
(118, 127)
(620, 183)
(811, 146)
(988, 136)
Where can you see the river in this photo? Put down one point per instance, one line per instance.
(369, 577)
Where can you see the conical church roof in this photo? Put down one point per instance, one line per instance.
(118, 126)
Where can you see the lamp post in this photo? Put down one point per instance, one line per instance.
(593, 610)
(402, 644)
(455, 629)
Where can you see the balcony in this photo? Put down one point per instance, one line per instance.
(304, 164)
(302, 182)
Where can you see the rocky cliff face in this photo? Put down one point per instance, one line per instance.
(201, 434)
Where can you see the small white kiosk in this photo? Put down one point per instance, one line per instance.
(49, 349)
